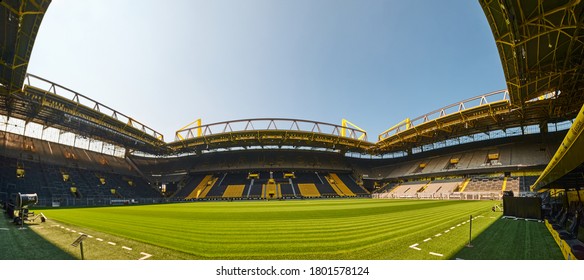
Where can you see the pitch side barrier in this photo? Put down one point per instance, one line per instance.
(56, 202)
(442, 196)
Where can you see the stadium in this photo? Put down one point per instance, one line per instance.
(506, 162)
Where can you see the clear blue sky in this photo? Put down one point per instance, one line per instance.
(167, 63)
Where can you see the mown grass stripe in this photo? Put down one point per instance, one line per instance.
(290, 229)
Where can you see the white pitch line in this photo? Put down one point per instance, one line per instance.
(127, 248)
(4, 229)
(73, 231)
(111, 243)
(90, 236)
(55, 226)
(146, 255)
(67, 229)
(436, 254)
(458, 225)
(80, 233)
(452, 228)
(463, 223)
(438, 234)
(427, 239)
(415, 248)
(446, 231)
(99, 239)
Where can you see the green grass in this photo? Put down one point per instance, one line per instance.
(24, 244)
(308, 229)
(529, 241)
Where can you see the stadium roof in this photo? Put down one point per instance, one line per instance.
(72, 111)
(566, 169)
(271, 132)
(20, 21)
(19, 24)
(480, 114)
(541, 45)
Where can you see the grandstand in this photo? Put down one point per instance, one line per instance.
(207, 176)
(75, 151)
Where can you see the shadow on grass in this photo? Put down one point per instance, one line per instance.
(509, 239)
(25, 244)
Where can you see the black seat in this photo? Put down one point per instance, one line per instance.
(572, 231)
(557, 216)
(561, 223)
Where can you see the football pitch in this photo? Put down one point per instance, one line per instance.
(352, 229)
